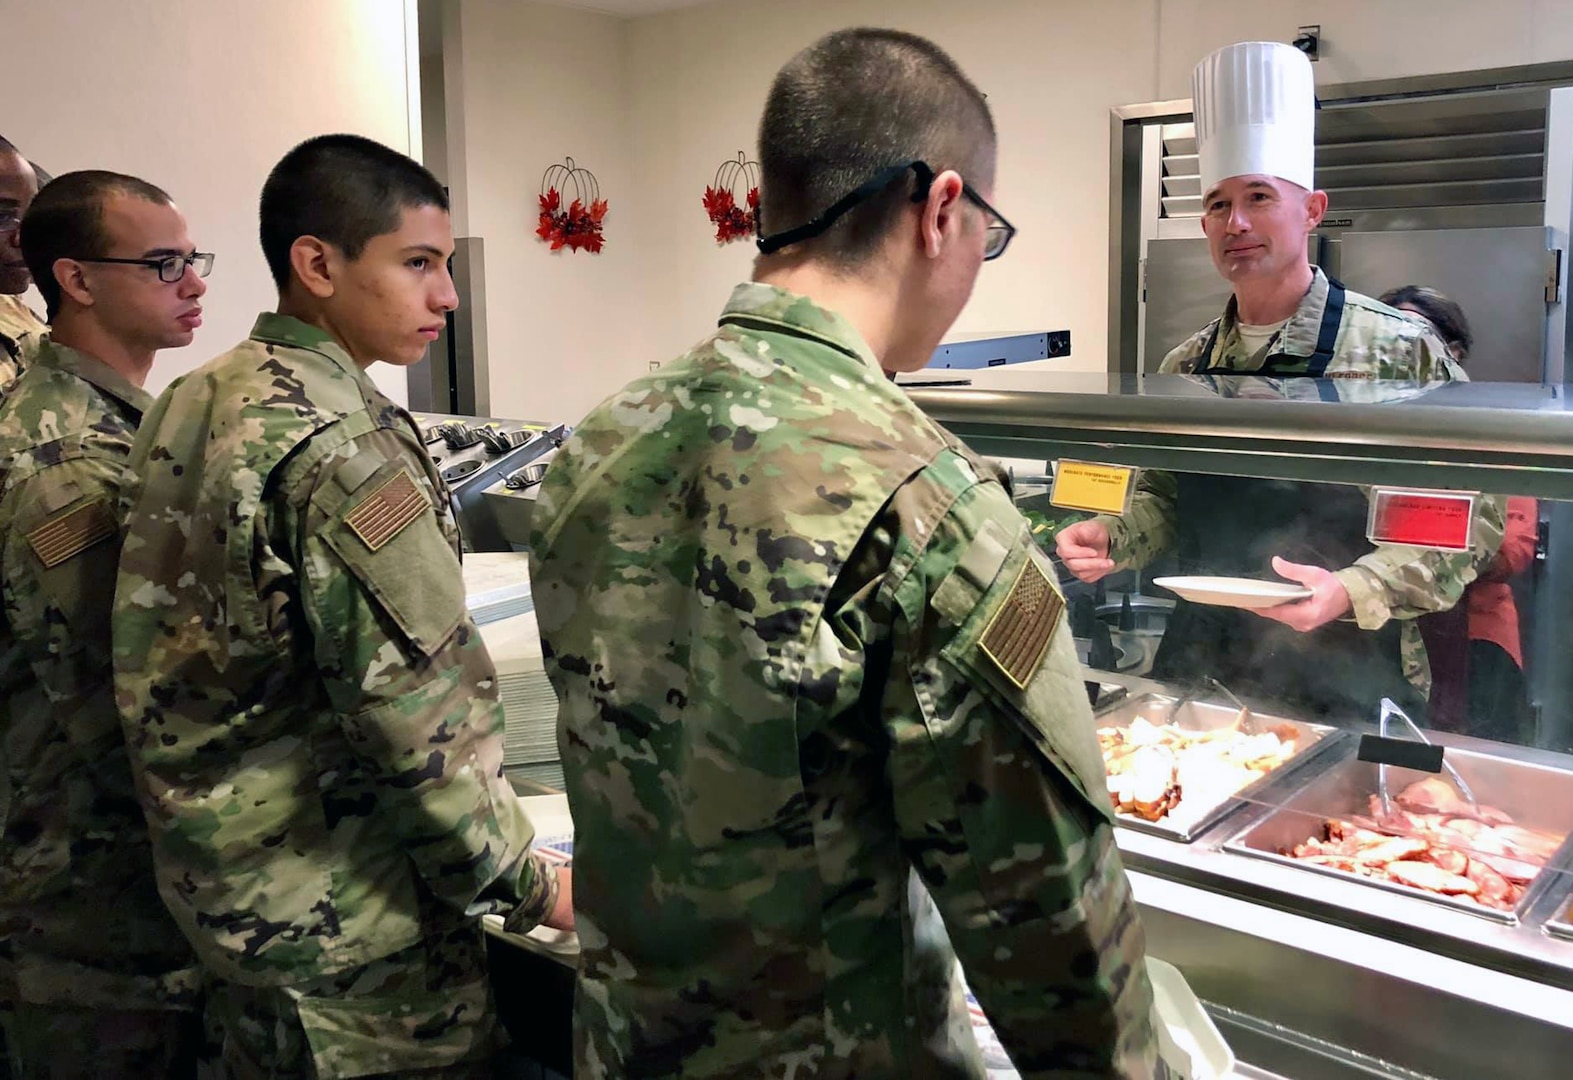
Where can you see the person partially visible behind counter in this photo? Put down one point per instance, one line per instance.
(1352, 642)
(1480, 687)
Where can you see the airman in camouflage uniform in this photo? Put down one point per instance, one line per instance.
(78, 904)
(1375, 344)
(310, 708)
(769, 589)
(20, 328)
(815, 681)
(20, 332)
(105, 984)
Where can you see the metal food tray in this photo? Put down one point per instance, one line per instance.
(1536, 796)
(1561, 925)
(1314, 740)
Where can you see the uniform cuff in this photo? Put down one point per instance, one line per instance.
(1119, 537)
(537, 895)
(1367, 597)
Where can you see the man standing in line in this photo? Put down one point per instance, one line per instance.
(20, 328)
(312, 712)
(814, 675)
(105, 984)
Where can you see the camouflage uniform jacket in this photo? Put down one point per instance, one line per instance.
(20, 332)
(768, 588)
(311, 711)
(1374, 342)
(78, 905)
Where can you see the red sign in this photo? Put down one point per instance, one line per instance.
(1428, 519)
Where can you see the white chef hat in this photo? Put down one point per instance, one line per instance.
(1255, 113)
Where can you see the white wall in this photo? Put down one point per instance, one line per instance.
(536, 84)
(202, 98)
(654, 104)
(1052, 70)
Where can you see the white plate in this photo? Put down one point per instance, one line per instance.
(1233, 591)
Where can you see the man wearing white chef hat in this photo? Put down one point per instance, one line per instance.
(1352, 641)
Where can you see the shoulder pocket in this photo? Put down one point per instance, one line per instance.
(388, 536)
(1015, 647)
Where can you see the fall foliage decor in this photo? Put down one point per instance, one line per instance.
(578, 226)
(734, 220)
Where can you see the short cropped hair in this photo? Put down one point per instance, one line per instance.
(66, 221)
(1440, 311)
(853, 103)
(342, 189)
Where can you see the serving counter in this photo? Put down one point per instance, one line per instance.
(1330, 934)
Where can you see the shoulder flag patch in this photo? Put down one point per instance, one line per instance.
(1018, 635)
(380, 516)
(69, 535)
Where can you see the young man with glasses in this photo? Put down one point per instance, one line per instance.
(20, 328)
(104, 983)
(814, 675)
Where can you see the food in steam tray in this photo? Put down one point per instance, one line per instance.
(1155, 768)
(1435, 841)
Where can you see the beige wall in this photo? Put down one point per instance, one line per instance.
(1051, 69)
(654, 104)
(538, 83)
(202, 98)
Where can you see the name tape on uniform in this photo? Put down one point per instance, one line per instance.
(1099, 489)
(1440, 520)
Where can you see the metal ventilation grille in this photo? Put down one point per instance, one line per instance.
(1457, 150)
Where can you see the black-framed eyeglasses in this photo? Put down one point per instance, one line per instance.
(171, 268)
(9, 220)
(996, 239)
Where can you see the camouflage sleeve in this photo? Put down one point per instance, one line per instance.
(59, 559)
(406, 671)
(1001, 801)
(1397, 581)
(1147, 530)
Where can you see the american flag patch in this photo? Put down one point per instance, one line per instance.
(379, 516)
(71, 534)
(1018, 634)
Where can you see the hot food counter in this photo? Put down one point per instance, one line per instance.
(1374, 879)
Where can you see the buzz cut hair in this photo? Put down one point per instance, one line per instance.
(856, 102)
(344, 190)
(66, 221)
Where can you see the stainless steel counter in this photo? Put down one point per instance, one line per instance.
(1311, 975)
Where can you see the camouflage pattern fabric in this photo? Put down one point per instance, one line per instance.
(340, 1025)
(1376, 344)
(90, 947)
(812, 673)
(311, 711)
(20, 333)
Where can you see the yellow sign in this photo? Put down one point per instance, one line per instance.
(1101, 489)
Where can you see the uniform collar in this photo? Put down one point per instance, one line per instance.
(1299, 334)
(91, 370)
(754, 303)
(272, 328)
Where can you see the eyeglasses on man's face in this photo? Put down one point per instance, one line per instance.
(171, 268)
(997, 237)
